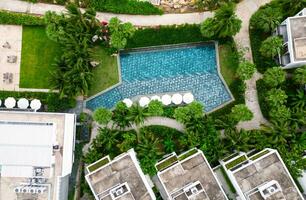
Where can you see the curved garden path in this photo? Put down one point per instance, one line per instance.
(161, 121)
(244, 11)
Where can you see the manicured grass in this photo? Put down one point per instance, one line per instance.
(37, 57)
(259, 155)
(106, 74)
(188, 154)
(166, 163)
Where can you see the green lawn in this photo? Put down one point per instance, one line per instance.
(37, 57)
(106, 74)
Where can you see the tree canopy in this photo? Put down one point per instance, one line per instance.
(274, 76)
(246, 70)
(272, 46)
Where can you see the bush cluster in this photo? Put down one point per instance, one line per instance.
(52, 101)
(20, 19)
(164, 35)
(123, 6)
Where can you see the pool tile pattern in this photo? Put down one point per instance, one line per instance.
(191, 68)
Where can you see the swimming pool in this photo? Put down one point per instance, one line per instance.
(168, 69)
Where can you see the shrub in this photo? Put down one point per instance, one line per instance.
(299, 75)
(125, 7)
(246, 70)
(188, 113)
(276, 97)
(280, 113)
(274, 76)
(20, 19)
(102, 116)
(240, 112)
(271, 47)
(156, 108)
(165, 35)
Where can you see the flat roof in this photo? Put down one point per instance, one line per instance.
(27, 158)
(120, 179)
(266, 176)
(191, 178)
(298, 37)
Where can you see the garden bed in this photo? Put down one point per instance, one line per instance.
(260, 154)
(187, 154)
(236, 162)
(98, 164)
(166, 163)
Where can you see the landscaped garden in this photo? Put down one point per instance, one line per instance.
(38, 55)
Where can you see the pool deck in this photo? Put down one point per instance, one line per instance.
(169, 47)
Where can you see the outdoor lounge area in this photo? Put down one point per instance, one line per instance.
(36, 155)
(120, 179)
(261, 176)
(189, 176)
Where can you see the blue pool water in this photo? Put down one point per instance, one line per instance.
(175, 69)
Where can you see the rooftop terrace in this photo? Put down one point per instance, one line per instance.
(120, 179)
(190, 178)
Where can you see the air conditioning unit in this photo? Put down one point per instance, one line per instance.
(119, 191)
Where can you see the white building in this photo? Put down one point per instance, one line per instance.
(120, 179)
(188, 177)
(261, 176)
(293, 32)
(36, 155)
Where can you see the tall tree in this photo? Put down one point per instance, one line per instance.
(274, 76)
(272, 46)
(266, 19)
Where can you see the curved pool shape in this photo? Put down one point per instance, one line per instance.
(163, 69)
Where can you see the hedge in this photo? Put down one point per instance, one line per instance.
(164, 35)
(20, 19)
(51, 100)
(124, 7)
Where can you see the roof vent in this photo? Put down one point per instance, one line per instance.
(119, 191)
(269, 189)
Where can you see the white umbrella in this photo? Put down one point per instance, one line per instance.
(23, 103)
(0, 102)
(144, 101)
(10, 102)
(177, 99)
(35, 104)
(128, 102)
(155, 97)
(166, 99)
(188, 98)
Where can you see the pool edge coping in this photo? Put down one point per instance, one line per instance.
(169, 45)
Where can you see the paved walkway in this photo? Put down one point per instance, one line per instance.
(138, 20)
(244, 11)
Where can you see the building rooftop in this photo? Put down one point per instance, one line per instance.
(36, 154)
(298, 34)
(263, 176)
(189, 177)
(120, 179)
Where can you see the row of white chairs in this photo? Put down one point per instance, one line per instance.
(30, 189)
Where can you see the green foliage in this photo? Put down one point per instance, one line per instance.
(299, 75)
(246, 70)
(119, 33)
(138, 114)
(266, 19)
(121, 116)
(274, 76)
(291, 7)
(213, 4)
(241, 112)
(298, 100)
(189, 113)
(102, 116)
(124, 6)
(52, 101)
(272, 46)
(276, 97)
(129, 141)
(224, 23)
(163, 35)
(20, 19)
(73, 31)
(280, 113)
(155, 108)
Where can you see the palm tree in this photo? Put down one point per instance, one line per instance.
(267, 19)
(169, 144)
(137, 115)
(291, 7)
(299, 76)
(106, 139)
(298, 100)
(279, 133)
(226, 22)
(129, 139)
(148, 146)
(121, 116)
(238, 139)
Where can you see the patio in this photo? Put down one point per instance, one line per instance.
(10, 56)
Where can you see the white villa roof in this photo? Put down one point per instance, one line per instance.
(26, 144)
